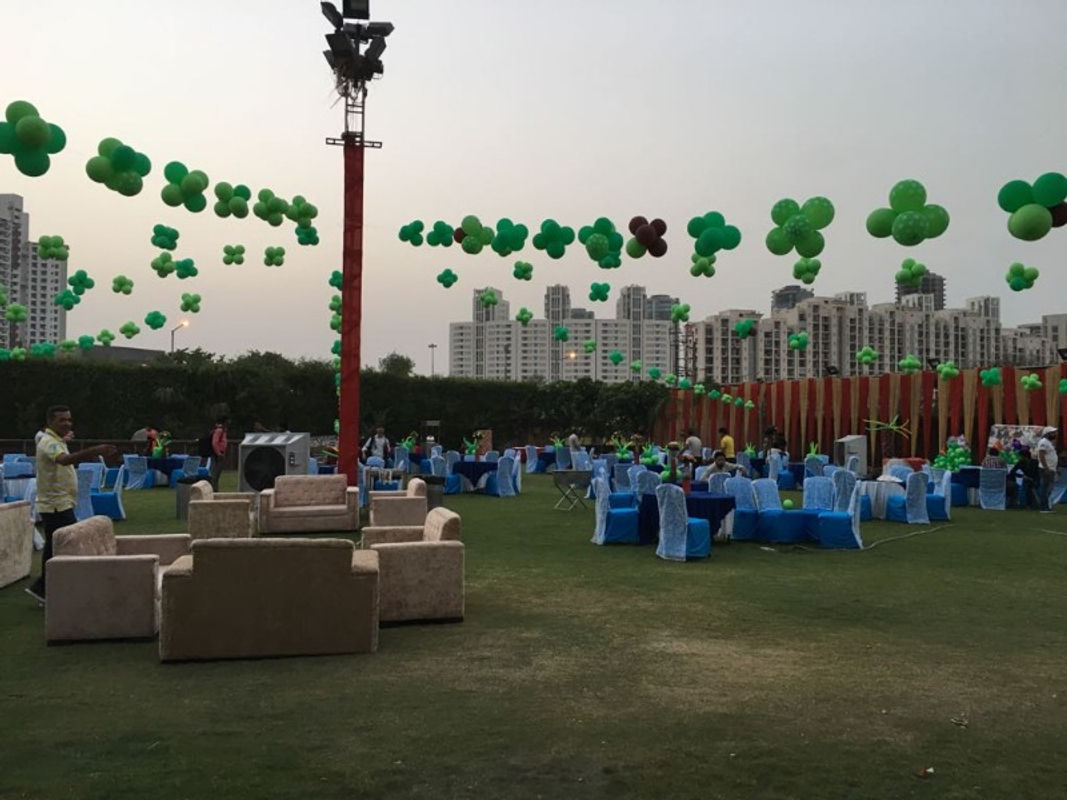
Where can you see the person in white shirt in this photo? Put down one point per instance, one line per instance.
(693, 445)
(1048, 462)
(572, 442)
(377, 445)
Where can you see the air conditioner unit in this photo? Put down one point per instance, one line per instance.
(854, 445)
(265, 456)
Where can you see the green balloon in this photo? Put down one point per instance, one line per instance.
(634, 249)
(1013, 195)
(778, 243)
(909, 228)
(819, 211)
(1050, 189)
(1030, 223)
(797, 227)
(936, 220)
(880, 222)
(32, 163)
(98, 168)
(32, 131)
(907, 195)
(811, 245)
(19, 109)
(172, 194)
(783, 210)
(196, 203)
(731, 237)
(175, 171)
(708, 242)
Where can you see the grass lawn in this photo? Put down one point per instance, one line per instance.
(589, 672)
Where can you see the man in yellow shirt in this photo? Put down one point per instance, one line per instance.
(726, 444)
(57, 481)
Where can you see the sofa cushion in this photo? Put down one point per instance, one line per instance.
(442, 525)
(91, 537)
(310, 490)
(310, 511)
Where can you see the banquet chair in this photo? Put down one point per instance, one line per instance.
(139, 476)
(939, 502)
(992, 488)
(516, 476)
(621, 473)
(771, 525)
(681, 537)
(741, 523)
(500, 483)
(83, 508)
(634, 471)
(97, 470)
(813, 467)
(853, 465)
(743, 459)
(841, 529)
(401, 459)
(531, 458)
(901, 472)
(109, 503)
(613, 525)
(492, 456)
(717, 483)
(844, 482)
(700, 474)
(786, 479)
(563, 458)
(190, 469)
(911, 507)
(647, 483)
(818, 493)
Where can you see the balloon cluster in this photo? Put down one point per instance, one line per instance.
(233, 254)
(190, 303)
(523, 270)
(337, 279)
(909, 220)
(307, 236)
(1031, 382)
(685, 383)
(30, 139)
(412, 232)
(744, 328)
(712, 234)
(1034, 209)
(698, 389)
(164, 238)
(616, 358)
(119, 167)
(603, 243)
(488, 298)
(911, 273)
(185, 268)
(43, 350)
(87, 342)
(955, 456)
(184, 188)
(163, 264)
(155, 320)
(589, 345)
(67, 299)
(232, 200)
(670, 379)
(715, 394)
(472, 235)
(1020, 277)
(120, 284)
(105, 337)
(553, 238)
(270, 208)
(80, 282)
(52, 248)
(446, 278)
(561, 334)
(510, 238)
(991, 377)
(909, 364)
(636, 365)
(798, 226)
(798, 341)
(1063, 386)
(301, 212)
(16, 312)
(947, 371)
(129, 330)
(654, 373)
(647, 238)
(806, 269)
(680, 312)
(273, 256)
(598, 292)
(440, 234)
(702, 265)
(524, 316)
(867, 355)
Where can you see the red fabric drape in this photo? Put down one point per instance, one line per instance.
(1037, 407)
(927, 414)
(955, 407)
(1010, 414)
(793, 423)
(982, 434)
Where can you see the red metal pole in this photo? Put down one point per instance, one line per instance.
(351, 309)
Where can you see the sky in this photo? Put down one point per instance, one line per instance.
(563, 110)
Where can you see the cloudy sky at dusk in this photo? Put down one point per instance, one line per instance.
(569, 110)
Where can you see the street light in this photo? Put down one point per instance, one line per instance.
(432, 347)
(183, 324)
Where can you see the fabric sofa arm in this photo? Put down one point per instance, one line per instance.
(101, 597)
(266, 499)
(167, 546)
(220, 519)
(390, 534)
(372, 496)
(364, 562)
(352, 499)
(393, 511)
(249, 497)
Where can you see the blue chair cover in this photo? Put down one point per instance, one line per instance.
(613, 525)
(531, 458)
(853, 464)
(438, 466)
(938, 504)
(137, 471)
(190, 469)
(717, 483)
(492, 455)
(563, 458)
(580, 459)
(841, 529)
(828, 470)
(401, 458)
(96, 470)
(437, 450)
(813, 467)
(516, 476)
(680, 537)
(84, 507)
(743, 459)
(844, 483)
(109, 504)
(910, 508)
(819, 493)
(992, 488)
(746, 515)
(786, 479)
(901, 472)
(771, 525)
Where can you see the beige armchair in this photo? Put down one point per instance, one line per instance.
(303, 503)
(220, 515)
(16, 541)
(407, 507)
(421, 568)
(103, 586)
(249, 598)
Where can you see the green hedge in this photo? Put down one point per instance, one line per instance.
(113, 400)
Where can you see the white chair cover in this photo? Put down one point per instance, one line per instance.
(137, 468)
(492, 456)
(634, 471)
(992, 488)
(622, 477)
(853, 464)
(819, 493)
(743, 459)
(190, 465)
(510, 452)
(844, 485)
(915, 498)
(774, 466)
(517, 475)
(505, 468)
(673, 522)
(563, 458)
(438, 466)
(813, 467)
(744, 495)
(400, 458)
(944, 489)
(701, 473)
(828, 470)
(581, 460)
(451, 457)
(84, 507)
(936, 473)
(717, 483)
(647, 482)
(601, 506)
(902, 473)
(531, 457)
(766, 491)
(436, 450)
(96, 469)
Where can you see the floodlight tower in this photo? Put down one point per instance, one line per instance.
(352, 70)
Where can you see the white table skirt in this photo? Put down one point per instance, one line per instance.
(880, 492)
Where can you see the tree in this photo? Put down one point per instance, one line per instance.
(396, 364)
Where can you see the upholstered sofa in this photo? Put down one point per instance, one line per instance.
(250, 598)
(303, 503)
(407, 507)
(103, 586)
(220, 515)
(16, 541)
(421, 568)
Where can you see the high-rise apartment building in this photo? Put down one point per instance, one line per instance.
(29, 280)
(932, 284)
(789, 296)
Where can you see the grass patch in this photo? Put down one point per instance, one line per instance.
(594, 672)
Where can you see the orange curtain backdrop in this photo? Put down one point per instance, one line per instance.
(874, 407)
(981, 435)
(1036, 399)
(970, 404)
(955, 406)
(862, 406)
(820, 411)
(781, 404)
(909, 410)
(1051, 379)
(792, 406)
(943, 402)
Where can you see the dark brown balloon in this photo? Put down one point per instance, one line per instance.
(1059, 215)
(646, 235)
(459, 235)
(658, 248)
(636, 223)
(660, 226)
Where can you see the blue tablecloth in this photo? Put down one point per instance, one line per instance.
(799, 472)
(167, 465)
(545, 460)
(647, 520)
(701, 505)
(967, 476)
(473, 470)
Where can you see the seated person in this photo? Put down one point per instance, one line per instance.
(719, 464)
(993, 460)
(1027, 470)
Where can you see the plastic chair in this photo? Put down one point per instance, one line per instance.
(841, 529)
(681, 537)
(992, 488)
(109, 504)
(939, 502)
(744, 519)
(613, 525)
(911, 508)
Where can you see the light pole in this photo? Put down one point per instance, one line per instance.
(432, 347)
(183, 324)
(352, 70)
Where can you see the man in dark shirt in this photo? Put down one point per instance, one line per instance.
(1027, 469)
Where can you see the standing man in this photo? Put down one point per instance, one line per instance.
(218, 450)
(1047, 461)
(726, 444)
(377, 445)
(57, 481)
